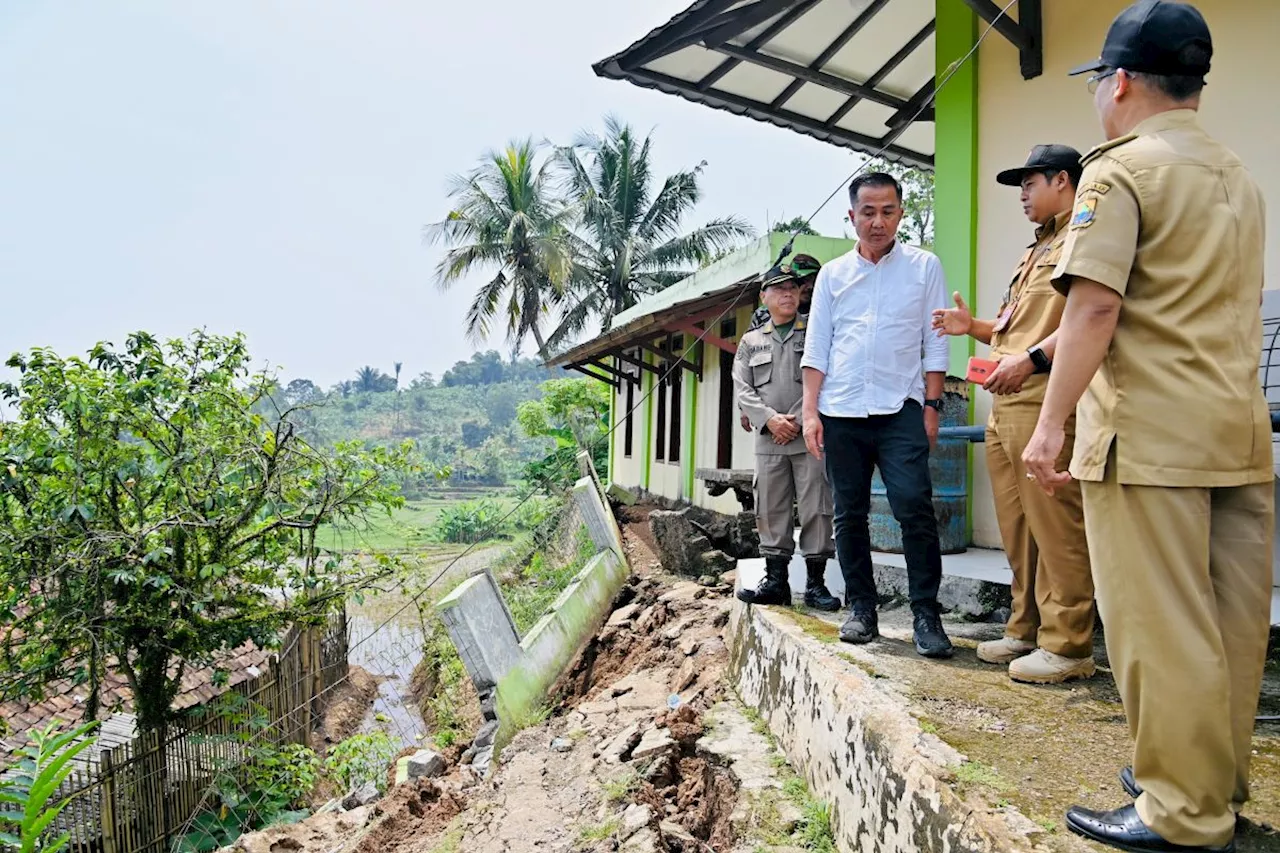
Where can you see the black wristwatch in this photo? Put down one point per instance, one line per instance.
(934, 404)
(1039, 360)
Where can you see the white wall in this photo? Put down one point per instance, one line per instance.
(1014, 114)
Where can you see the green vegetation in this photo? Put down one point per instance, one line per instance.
(360, 759)
(583, 233)
(974, 773)
(27, 795)
(620, 788)
(598, 832)
(150, 513)
(257, 783)
(542, 581)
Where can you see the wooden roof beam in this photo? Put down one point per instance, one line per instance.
(1025, 33)
(607, 380)
(707, 337)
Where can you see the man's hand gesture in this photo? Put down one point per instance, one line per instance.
(953, 321)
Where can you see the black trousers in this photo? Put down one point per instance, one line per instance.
(898, 444)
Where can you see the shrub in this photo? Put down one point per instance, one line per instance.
(28, 794)
(469, 522)
(360, 759)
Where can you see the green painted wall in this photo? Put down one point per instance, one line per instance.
(956, 175)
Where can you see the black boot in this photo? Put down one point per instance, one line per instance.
(816, 594)
(775, 589)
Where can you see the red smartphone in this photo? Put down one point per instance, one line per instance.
(980, 370)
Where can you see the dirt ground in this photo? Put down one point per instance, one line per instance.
(1041, 749)
(643, 750)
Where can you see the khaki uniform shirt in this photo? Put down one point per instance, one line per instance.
(766, 377)
(1170, 219)
(1036, 310)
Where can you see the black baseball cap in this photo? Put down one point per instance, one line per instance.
(1155, 36)
(1043, 158)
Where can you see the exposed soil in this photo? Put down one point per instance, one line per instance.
(625, 761)
(411, 812)
(343, 713)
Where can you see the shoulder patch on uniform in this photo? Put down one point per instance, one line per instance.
(1083, 216)
(1095, 187)
(1098, 150)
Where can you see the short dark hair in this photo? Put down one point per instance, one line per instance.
(1073, 174)
(1180, 87)
(873, 179)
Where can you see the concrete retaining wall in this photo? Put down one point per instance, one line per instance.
(857, 746)
(519, 671)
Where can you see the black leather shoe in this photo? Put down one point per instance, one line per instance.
(1124, 830)
(816, 594)
(931, 640)
(1130, 784)
(861, 626)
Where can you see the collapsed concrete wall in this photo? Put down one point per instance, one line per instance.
(518, 672)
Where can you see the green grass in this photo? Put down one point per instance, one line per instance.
(599, 832)
(451, 841)
(619, 789)
(541, 581)
(976, 773)
(407, 528)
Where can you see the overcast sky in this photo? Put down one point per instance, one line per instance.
(266, 166)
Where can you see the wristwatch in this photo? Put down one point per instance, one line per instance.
(934, 404)
(1039, 360)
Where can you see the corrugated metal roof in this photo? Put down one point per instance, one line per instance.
(848, 72)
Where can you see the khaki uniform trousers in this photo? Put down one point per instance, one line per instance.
(780, 480)
(1044, 539)
(1184, 590)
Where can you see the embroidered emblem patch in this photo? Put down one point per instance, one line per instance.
(1096, 187)
(1083, 217)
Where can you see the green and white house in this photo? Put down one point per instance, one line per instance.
(857, 73)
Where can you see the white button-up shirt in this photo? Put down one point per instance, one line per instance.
(870, 331)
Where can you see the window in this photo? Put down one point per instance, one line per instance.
(728, 407)
(628, 422)
(676, 406)
(660, 433)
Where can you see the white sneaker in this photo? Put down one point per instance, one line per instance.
(1004, 650)
(1041, 667)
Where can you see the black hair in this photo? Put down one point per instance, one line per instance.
(1073, 174)
(1180, 87)
(873, 179)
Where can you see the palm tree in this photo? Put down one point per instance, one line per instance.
(627, 237)
(506, 219)
(370, 380)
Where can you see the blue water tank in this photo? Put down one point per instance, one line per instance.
(949, 471)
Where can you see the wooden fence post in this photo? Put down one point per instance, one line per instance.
(108, 816)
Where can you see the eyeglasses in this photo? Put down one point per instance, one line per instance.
(1093, 81)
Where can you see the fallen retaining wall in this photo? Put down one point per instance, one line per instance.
(519, 671)
(858, 747)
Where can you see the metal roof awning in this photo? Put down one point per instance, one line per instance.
(684, 317)
(850, 72)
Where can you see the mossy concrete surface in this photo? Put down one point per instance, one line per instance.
(951, 755)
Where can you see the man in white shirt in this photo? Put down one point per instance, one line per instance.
(873, 376)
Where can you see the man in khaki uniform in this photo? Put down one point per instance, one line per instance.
(1163, 271)
(766, 376)
(1049, 637)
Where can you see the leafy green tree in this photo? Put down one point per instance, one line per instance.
(151, 519)
(300, 392)
(794, 225)
(423, 381)
(506, 222)
(628, 226)
(575, 414)
(370, 380)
